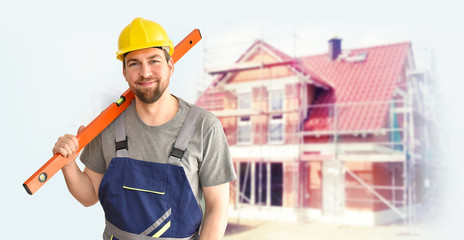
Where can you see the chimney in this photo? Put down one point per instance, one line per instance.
(335, 48)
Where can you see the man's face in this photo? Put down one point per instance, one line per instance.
(147, 72)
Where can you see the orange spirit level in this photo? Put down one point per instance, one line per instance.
(55, 163)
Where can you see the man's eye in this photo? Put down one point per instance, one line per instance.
(154, 61)
(132, 64)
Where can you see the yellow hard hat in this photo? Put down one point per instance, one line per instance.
(140, 34)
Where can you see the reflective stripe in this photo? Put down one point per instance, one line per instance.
(162, 230)
(157, 223)
(143, 190)
(110, 229)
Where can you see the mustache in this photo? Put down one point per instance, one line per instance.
(149, 79)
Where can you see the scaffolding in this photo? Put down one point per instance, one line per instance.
(394, 144)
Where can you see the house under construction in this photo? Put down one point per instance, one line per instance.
(337, 137)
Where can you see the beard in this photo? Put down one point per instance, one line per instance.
(149, 95)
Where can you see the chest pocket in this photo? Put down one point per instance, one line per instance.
(154, 183)
(145, 194)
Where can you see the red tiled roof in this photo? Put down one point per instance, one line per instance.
(350, 84)
(355, 84)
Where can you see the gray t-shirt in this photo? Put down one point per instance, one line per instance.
(206, 161)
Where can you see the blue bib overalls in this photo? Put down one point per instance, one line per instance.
(144, 199)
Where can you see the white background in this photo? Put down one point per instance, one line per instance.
(58, 70)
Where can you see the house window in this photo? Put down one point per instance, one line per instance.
(276, 101)
(276, 128)
(244, 101)
(244, 129)
(245, 183)
(261, 183)
(277, 184)
(244, 122)
(276, 121)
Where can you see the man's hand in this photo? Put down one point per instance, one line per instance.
(82, 185)
(67, 146)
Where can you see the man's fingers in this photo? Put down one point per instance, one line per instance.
(73, 142)
(80, 128)
(60, 150)
(70, 150)
(68, 144)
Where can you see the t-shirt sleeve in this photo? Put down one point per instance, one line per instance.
(216, 166)
(92, 155)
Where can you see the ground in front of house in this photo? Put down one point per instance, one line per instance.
(239, 229)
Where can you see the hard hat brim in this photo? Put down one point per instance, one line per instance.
(168, 44)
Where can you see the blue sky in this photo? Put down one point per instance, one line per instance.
(58, 71)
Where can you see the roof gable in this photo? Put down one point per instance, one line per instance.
(263, 57)
(260, 55)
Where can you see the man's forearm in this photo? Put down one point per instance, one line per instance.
(214, 225)
(216, 212)
(79, 185)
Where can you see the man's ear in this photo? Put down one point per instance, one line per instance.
(171, 66)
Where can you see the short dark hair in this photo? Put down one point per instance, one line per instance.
(166, 55)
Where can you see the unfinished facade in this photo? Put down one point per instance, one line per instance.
(335, 137)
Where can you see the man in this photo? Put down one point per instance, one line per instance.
(151, 167)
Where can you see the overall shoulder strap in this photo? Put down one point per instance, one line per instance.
(186, 132)
(121, 137)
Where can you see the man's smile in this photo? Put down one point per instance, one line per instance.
(147, 83)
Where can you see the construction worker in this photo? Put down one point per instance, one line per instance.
(151, 167)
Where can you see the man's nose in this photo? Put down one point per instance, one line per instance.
(145, 71)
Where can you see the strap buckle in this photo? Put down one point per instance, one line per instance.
(175, 152)
(122, 145)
